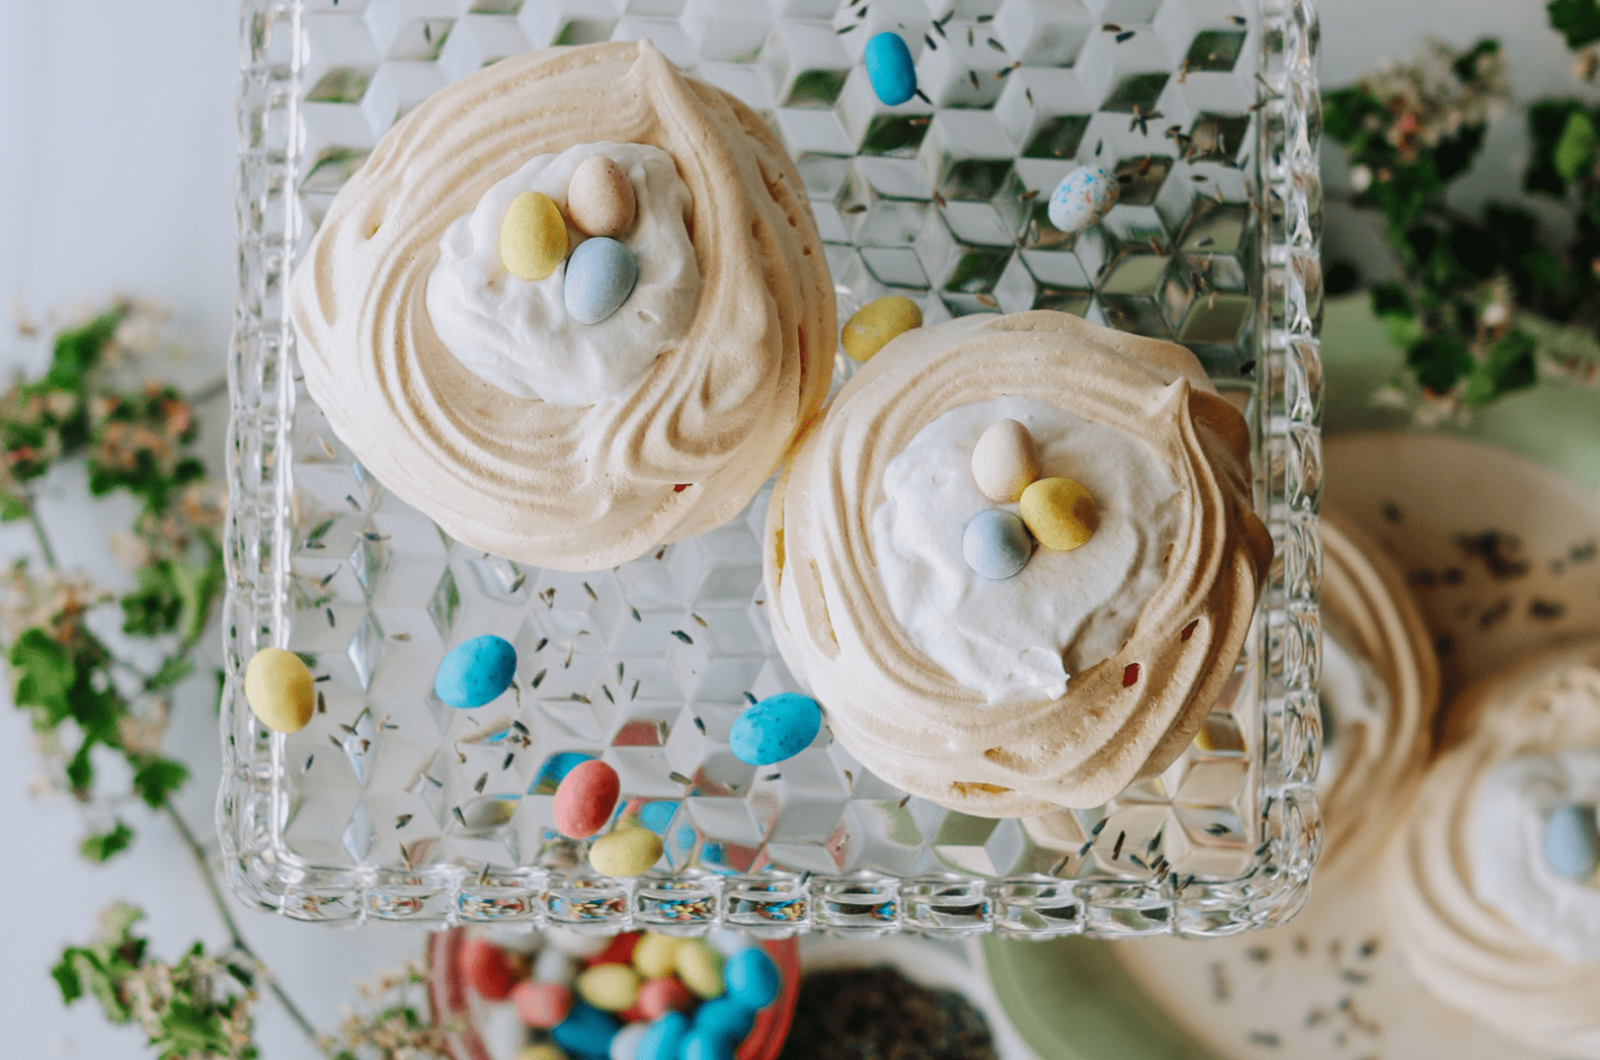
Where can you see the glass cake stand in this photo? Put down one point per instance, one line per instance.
(390, 806)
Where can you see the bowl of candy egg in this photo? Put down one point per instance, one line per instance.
(561, 995)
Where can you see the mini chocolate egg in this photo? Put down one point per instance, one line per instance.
(700, 968)
(725, 1018)
(627, 851)
(1083, 197)
(475, 672)
(751, 979)
(487, 968)
(996, 544)
(654, 954)
(600, 198)
(533, 236)
(279, 689)
(586, 1032)
(1572, 841)
(585, 798)
(609, 987)
(625, 1046)
(774, 729)
(1005, 461)
(1060, 513)
(890, 70)
(662, 995)
(600, 277)
(870, 328)
(663, 1039)
(541, 1003)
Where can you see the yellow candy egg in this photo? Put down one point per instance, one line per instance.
(609, 987)
(1005, 461)
(279, 689)
(1059, 513)
(542, 1051)
(700, 968)
(655, 955)
(875, 323)
(600, 198)
(533, 236)
(625, 852)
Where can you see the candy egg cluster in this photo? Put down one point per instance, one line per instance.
(601, 271)
(1057, 512)
(638, 996)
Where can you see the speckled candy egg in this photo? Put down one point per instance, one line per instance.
(1082, 198)
(629, 850)
(724, 1018)
(662, 995)
(654, 954)
(870, 328)
(609, 987)
(664, 1038)
(542, 1003)
(751, 979)
(533, 236)
(475, 672)
(700, 968)
(488, 968)
(600, 199)
(1005, 461)
(625, 1046)
(600, 277)
(279, 689)
(1060, 513)
(1572, 841)
(586, 1032)
(995, 544)
(585, 799)
(777, 728)
(890, 71)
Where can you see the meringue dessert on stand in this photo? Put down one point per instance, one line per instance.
(572, 307)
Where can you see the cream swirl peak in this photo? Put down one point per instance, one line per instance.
(570, 487)
(1120, 718)
(517, 334)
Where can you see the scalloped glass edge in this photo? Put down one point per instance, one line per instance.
(1287, 414)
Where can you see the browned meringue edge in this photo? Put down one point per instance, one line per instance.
(567, 488)
(884, 698)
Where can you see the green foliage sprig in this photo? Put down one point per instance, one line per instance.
(1485, 305)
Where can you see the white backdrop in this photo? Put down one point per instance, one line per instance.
(116, 174)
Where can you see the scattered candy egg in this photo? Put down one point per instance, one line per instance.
(552, 965)
(774, 729)
(585, 798)
(586, 1032)
(533, 236)
(1082, 198)
(889, 68)
(870, 328)
(625, 1046)
(609, 987)
(625, 852)
(751, 979)
(996, 544)
(542, 1051)
(619, 948)
(1005, 461)
(664, 1038)
(575, 943)
(1060, 513)
(600, 277)
(700, 968)
(600, 199)
(1572, 841)
(663, 995)
(279, 689)
(703, 1045)
(488, 969)
(475, 672)
(655, 954)
(724, 1018)
(542, 1004)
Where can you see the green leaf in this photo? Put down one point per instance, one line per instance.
(1439, 360)
(44, 674)
(156, 781)
(174, 668)
(1575, 149)
(1509, 366)
(1466, 65)
(13, 507)
(77, 351)
(65, 974)
(80, 770)
(100, 847)
(1578, 20)
(1547, 123)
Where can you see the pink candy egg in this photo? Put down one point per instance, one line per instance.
(542, 1004)
(657, 997)
(585, 799)
(488, 968)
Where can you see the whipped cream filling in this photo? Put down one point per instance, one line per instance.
(516, 335)
(1352, 694)
(1022, 637)
(1509, 870)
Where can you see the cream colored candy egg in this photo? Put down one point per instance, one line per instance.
(700, 968)
(875, 323)
(1059, 513)
(627, 851)
(655, 955)
(533, 236)
(279, 689)
(609, 987)
(1005, 461)
(600, 198)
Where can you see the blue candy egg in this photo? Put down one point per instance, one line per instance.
(702, 1045)
(664, 1039)
(751, 978)
(600, 275)
(776, 728)
(724, 1018)
(475, 672)
(1082, 198)
(996, 543)
(1572, 841)
(889, 68)
(586, 1032)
